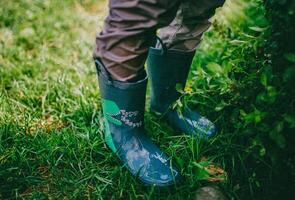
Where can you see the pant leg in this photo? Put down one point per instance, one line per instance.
(192, 20)
(128, 31)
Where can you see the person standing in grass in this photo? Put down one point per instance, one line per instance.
(129, 38)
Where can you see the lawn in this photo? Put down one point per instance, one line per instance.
(51, 135)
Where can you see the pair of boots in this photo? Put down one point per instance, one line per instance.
(123, 109)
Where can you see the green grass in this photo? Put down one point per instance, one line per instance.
(51, 138)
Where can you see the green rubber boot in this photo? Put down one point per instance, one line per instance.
(123, 109)
(166, 69)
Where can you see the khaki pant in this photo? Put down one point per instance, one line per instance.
(131, 25)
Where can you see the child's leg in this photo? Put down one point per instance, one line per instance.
(169, 67)
(129, 30)
(192, 20)
(122, 47)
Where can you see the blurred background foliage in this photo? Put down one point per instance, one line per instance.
(51, 143)
(246, 70)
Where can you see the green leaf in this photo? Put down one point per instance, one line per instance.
(257, 29)
(262, 151)
(289, 74)
(278, 138)
(279, 126)
(202, 173)
(215, 68)
(272, 94)
(290, 119)
(263, 79)
(220, 106)
(290, 57)
(180, 162)
(179, 103)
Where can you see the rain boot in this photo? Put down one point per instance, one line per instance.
(168, 69)
(123, 105)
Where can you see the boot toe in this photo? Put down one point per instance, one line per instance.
(190, 122)
(146, 161)
(163, 175)
(202, 126)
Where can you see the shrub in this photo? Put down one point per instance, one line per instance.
(245, 69)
